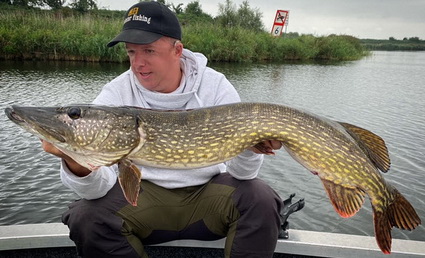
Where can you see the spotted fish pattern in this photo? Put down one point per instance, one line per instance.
(348, 159)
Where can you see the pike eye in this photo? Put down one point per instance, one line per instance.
(74, 113)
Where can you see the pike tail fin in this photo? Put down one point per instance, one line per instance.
(129, 178)
(400, 214)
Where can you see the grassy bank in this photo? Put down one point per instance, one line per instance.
(55, 36)
(48, 35)
(412, 44)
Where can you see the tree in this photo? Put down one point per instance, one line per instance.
(26, 3)
(177, 9)
(245, 16)
(194, 8)
(414, 39)
(227, 14)
(83, 5)
(54, 4)
(249, 18)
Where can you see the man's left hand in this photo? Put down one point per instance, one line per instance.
(266, 147)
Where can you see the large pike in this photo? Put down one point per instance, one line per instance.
(346, 158)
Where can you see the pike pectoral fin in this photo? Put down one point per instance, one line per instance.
(129, 178)
(371, 144)
(346, 201)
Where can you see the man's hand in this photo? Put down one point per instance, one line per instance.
(73, 166)
(266, 147)
(50, 148)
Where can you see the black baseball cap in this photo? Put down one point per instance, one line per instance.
(146, 22)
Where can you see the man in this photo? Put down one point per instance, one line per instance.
(225, 200)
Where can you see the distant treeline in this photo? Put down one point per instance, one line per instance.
(392, 44)
(235, 35)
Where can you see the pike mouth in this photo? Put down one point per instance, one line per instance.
(12, 115)
(47, 133)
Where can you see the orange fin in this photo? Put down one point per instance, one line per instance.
(400, 214)
(382, 231)
(346, 201)
(371, 144)
(129, 178)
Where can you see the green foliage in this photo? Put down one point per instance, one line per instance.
(244, 17)
(79, 5)
(54, 4)
(193, 14)
(237, 44)
(407, 44)
(51, 36)
(177, 9)
(25, 3)
(66, 34)
(84, 6)
(414, 39)
(194, 8)
(249, 18)
(336, 47)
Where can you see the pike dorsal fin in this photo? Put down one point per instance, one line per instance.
(371, 144)
(346, 201)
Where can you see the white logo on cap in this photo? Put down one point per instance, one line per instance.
(139, 17)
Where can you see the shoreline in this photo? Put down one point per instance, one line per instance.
(49, 35)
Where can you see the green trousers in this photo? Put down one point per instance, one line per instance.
(245, 212)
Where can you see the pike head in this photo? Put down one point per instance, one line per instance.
(92, 135)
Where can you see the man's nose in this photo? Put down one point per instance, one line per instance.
(139, 59)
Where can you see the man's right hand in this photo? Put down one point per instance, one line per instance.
(50, 148)
(73, 166)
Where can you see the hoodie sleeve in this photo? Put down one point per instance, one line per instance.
(93, 186)
(246, 165)
(98, 182)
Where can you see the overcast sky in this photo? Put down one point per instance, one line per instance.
(377, 19)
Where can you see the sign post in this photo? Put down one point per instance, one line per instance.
(279, 22)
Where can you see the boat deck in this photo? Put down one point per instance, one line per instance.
(51, 240)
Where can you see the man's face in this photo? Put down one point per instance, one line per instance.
(156, 65)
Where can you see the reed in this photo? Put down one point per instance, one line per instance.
(53, 36)
(237, 44)
(48, 35)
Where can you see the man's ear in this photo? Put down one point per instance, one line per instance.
(178, 47)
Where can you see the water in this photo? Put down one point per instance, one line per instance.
(383, 93)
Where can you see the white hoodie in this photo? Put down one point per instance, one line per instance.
(200, 86)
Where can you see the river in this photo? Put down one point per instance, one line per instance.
(383, 92)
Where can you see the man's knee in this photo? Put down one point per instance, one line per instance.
(257, 228)
(256, 193)
(96, 230)
(253, 196)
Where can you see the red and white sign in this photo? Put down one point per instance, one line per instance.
(279, 22)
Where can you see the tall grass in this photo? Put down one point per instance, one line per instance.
(394, 45)
(238, 44)
(53, 36)
(48, 35)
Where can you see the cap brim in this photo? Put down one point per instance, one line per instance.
(135, 36)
